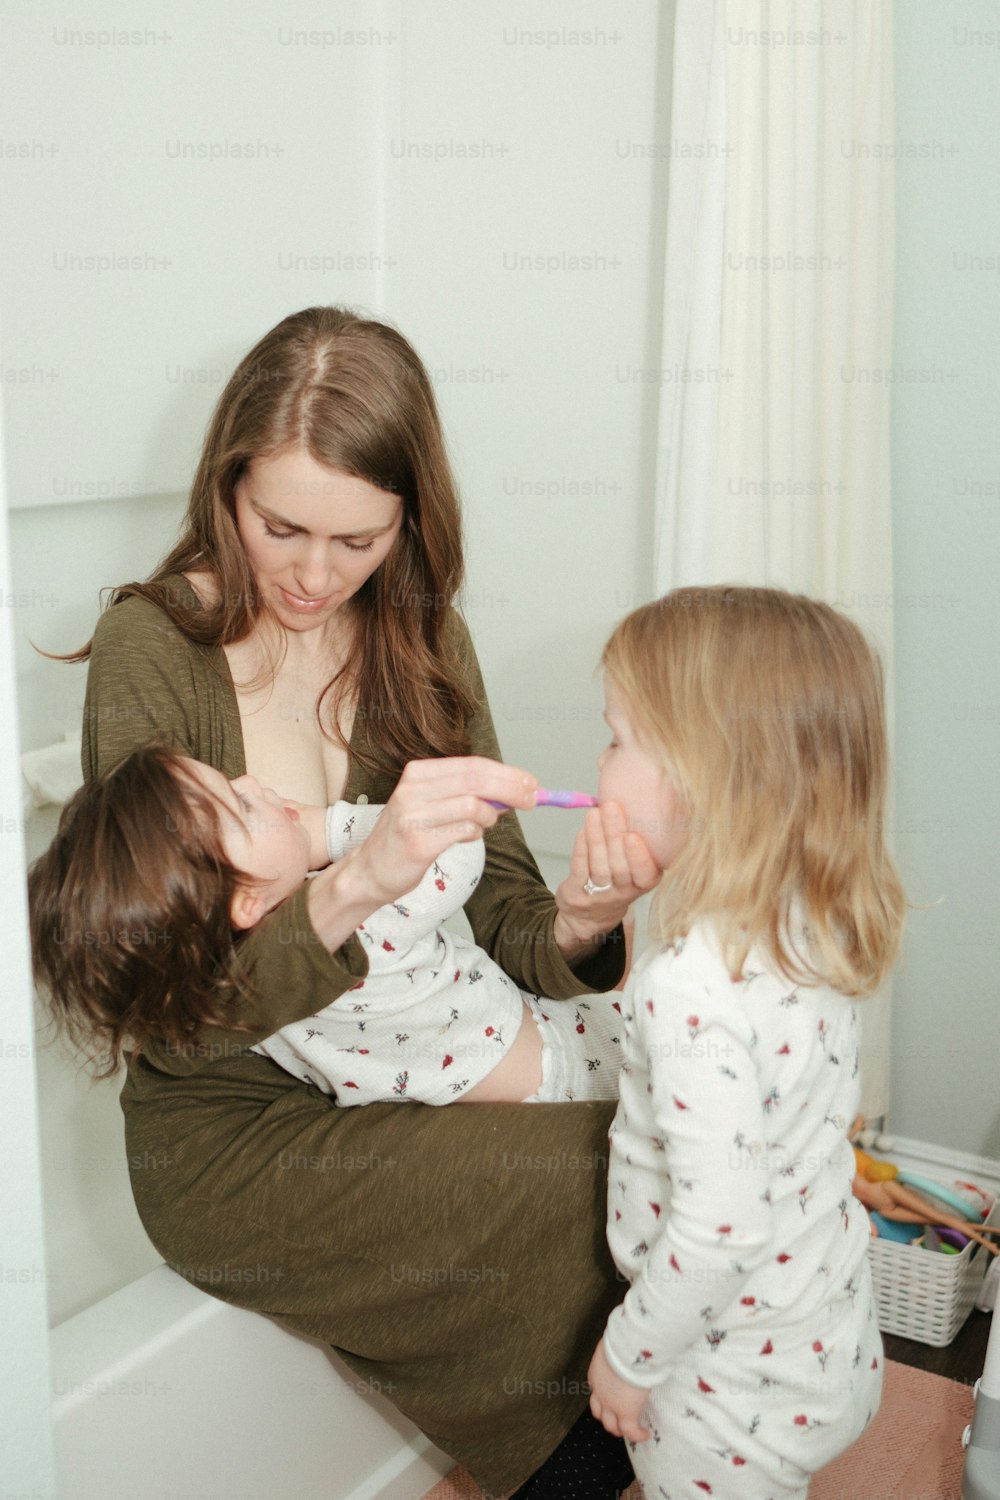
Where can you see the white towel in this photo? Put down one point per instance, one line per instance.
(52, 774)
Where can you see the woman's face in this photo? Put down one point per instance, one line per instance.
(312, 535)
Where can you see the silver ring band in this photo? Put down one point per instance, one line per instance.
(590, 889)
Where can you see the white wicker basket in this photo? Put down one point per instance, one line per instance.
(922, 1294)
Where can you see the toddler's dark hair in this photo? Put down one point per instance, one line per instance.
(130, 912)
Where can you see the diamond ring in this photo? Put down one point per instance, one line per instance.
(591, 889)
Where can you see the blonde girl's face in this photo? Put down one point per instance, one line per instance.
(634, 776)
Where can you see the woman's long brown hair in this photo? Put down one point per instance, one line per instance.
(353, 394)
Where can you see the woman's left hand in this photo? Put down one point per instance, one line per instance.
(608, 870)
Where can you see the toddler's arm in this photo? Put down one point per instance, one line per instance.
(347, 824)
(334, 830)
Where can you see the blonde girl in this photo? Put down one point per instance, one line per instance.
(749, 750)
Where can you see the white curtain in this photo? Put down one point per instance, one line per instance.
(773, 463)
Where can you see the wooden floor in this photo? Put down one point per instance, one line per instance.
(961, 1360)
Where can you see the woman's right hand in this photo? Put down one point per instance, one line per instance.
(436, 803)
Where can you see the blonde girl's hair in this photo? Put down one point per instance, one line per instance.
(353, 394)
(768, 711)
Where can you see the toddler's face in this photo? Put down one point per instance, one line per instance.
(261, 836)
(634, 777)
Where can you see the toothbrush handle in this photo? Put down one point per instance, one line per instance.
(547, 798)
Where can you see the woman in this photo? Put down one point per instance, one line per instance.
(301, 630)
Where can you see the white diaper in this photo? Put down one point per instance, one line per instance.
(581, 1048)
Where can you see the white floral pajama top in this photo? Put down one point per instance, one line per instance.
(749, 1314)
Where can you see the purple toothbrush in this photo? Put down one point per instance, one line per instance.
(547, 798)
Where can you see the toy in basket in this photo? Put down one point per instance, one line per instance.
(932, 1249)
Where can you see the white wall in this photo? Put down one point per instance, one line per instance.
(425, 150)
(179, 162)
(536, 266)
(61, 556)
(946, 460)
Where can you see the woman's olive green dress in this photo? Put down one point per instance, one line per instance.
(454, 1257)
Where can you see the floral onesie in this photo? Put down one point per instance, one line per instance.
(435, 1014)
(750, 1314)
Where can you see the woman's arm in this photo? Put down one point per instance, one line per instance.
(619, 867)
(512, 911)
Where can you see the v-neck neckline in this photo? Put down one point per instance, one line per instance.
(220, 662)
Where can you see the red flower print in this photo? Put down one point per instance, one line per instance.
(874, 1363)
(784, 1051)
(724, 1229)
(768, 1348)
(703, 1484)
(348, 1085)
(748, 1301)
(388, 946)
(739, 1462)
(618, 1214)
(439, 883)
(679, 1103)
(359, 986)
(693, 1021)
(801, 1421)
(457, 976)
(580, 1027)
(656, 1208)
(616, 1006)
(489, 1031)
(817, 1347)
(703, 1385)
(674, 1265)
(649, 1007)
(448, 1061)
(783, 1258)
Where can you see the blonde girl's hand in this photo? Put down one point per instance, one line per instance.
(608, 870)
(615, 1402)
